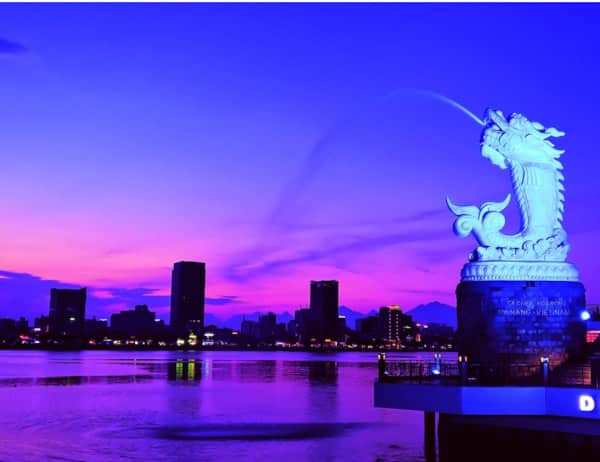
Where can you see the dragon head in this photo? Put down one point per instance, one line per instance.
(516, 139)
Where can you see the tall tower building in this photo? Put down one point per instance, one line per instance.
(392, 323)
(324, 303)
(67, 312)
(188, 282)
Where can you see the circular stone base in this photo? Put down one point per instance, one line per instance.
(502, 270)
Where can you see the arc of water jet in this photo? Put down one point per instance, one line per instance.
(444, 99)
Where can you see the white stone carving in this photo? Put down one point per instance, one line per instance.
(519, 271)
(522, 147)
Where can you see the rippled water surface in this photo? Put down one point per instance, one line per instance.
(201, 406)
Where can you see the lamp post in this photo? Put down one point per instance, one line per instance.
(463, 366)
(381, 366)
(437, 364)
(545, 367)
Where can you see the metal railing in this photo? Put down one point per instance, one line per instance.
(462, 372)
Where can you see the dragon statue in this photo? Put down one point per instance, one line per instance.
(522, 147)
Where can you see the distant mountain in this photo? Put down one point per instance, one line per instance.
(434, 312)
(351, 315)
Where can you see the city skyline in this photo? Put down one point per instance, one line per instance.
(311, 151)
(325, 325)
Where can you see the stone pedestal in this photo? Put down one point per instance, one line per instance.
(502, 322)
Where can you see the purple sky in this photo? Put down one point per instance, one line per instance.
(277, 143)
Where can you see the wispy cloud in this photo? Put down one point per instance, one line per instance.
(224, 300)
(355, 237)
(28, 295)
(126, 297)
(384, 221)
(430, 292)
(9, 48)
(249, 268)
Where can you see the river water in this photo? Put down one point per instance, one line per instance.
(198, 406)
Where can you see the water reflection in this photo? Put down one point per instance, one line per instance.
(323, 376)
(212, 405)
(223, 371)
(271, 371)
(257, 371)
(323, 372)
(249, 432)
(184, 370)
(75, 380)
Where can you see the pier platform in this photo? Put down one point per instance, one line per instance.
(457, 387)
(517, 412)
(490, 400)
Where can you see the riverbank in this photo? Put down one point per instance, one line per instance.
(205, 348)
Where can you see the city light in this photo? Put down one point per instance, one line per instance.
(585, 315)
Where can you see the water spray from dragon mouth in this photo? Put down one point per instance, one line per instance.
(442, 98)
(458, 106)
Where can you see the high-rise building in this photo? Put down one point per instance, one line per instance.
(324, 301)
(67, 312)
(306, 325)
(266, 327)
(8, 332)
(22, 326)
(366, 328)
(187, 297)
(42, 324)
(391, 326)
(96, 328)
(394, 325)
(293, 328)
(249, 329)
(341, 329)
